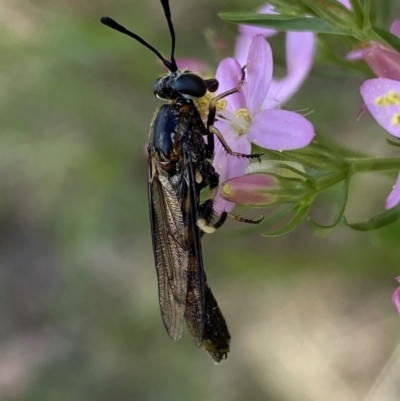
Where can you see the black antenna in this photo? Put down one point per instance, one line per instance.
(170, 64)
(167, 13)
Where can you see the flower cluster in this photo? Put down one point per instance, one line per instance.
(382, 95)
(247, 117)
(252, 117)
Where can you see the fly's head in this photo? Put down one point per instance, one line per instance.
(183, 84)
(177, 84)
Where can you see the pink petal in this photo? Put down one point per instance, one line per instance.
(381, 98)
(355, 55)
(258, 74)
(228, 75)
(251, 31)
(346, 3)
(395, 28)
(228, 166)
(394, 197)
(396, 298)
(242, 47)
(300, 49)
(192, 64)
(280, 130)
(222, 205)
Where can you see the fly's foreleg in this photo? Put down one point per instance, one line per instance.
(213, 131)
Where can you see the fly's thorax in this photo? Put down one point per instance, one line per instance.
(180, 84)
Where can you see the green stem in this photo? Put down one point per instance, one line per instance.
(371, 165)
(358, 165)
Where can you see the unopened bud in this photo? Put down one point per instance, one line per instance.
(276, 184)
(384, 61)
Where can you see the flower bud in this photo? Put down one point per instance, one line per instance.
(384, 61)
(275, 184)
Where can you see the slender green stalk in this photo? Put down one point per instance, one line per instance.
(371, 164)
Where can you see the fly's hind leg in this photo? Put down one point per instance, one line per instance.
(244, 219)
(205, 218)
(205, 211)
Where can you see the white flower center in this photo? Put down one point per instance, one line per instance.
(240, 121)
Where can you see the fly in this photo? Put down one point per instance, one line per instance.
(179, 169)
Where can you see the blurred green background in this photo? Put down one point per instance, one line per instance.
(310, 318)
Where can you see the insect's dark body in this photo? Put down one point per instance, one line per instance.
(179, 170)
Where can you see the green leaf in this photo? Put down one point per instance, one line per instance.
(381, 220)
(389, 38)
(324, 231)
(300, 215)
(282, 22)
(335, 14)
(366, 13)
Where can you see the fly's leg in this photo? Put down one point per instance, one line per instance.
(244, 219)
(213, 131)
(208, 226)
(205, 211)
(205, 218)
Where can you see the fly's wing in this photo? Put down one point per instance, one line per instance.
(204, 319)
(170, 253)
(189, 199)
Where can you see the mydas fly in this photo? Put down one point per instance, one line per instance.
(179, 169)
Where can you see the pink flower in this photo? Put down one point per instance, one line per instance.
(396, 297)
(300, 48)
(245, 118)
(394, 197)
(382, 98)
(383, 60)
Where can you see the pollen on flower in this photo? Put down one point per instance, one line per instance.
(203, 104)
(242, 121)
(395, 120)
(389, 99)
(243, 113)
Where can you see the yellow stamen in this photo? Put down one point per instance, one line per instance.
(243, 113)
(389, 99)
(395, 119)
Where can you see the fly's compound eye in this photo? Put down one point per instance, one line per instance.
(190, 85)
